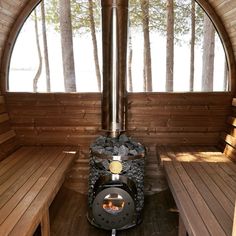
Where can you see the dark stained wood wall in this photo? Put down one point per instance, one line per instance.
(168, 118)
(153, 119)
(229, 135)
(8, 142)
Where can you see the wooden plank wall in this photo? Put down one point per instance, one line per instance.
(153, 118)
(229, 136)
(8, 142)
(168, 118)
(226, 11)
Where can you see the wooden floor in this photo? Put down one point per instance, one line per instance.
(68, 216)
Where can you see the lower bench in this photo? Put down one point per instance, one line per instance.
(29, 180)
(203, 184)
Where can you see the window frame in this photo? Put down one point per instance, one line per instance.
(32, 4)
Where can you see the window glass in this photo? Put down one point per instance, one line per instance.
(172, 47)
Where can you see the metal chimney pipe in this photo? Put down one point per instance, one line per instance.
(114, 40)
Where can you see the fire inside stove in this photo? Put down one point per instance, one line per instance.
(113, 203)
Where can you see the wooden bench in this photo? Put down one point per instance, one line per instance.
(203, 183)
(29, 180)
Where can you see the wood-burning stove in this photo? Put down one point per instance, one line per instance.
(116, 180)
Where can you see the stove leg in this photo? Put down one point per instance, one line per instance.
(113, 232)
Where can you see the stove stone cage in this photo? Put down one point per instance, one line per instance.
(116, 183)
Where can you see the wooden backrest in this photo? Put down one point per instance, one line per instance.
(229, 136)
(8, 141)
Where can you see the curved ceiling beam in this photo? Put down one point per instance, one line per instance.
(225, 39)
(10, 42)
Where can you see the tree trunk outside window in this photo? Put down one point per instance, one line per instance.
(147, 49)
(170, 46)
(192, 46)
(67, 45)
(39, 71)
(45, 44)
(208, 55)
(95, 47)
(130, 59)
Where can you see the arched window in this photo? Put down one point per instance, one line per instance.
(173, 47)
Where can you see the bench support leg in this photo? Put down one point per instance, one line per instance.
(45, 224)
(182, 229)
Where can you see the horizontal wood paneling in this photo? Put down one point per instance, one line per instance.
(231, 129)
(166, 118)
(229, 136)
(8, 142)
(153, 119)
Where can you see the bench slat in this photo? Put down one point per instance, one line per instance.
(25, 226)
(229, 180)
(43, 164)
(24, 194)
(211, 200)
(233, 174)
(179, 192)
(27, 179)
(201, 206)
(208, 177)
(191, 153)
(8, 163)
(229, 170)
(215, 190)
(220, 182)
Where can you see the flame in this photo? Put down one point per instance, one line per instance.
(109, 206)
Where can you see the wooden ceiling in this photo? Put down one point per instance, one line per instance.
(13, 12)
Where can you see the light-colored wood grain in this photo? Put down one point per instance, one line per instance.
(33, 183)
(206, 185)
(223, 218)
(189, 217)
(191, 154)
